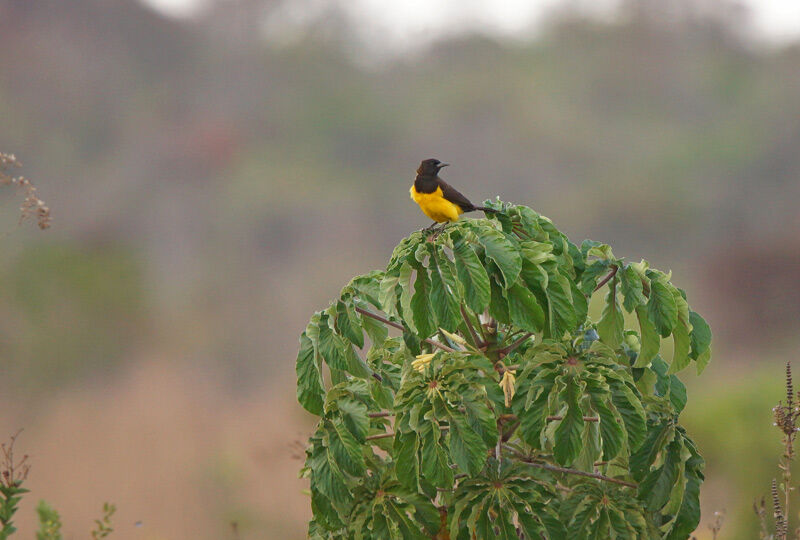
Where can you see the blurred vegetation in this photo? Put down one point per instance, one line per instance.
(203, 176)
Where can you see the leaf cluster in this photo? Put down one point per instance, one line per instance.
(499, 407)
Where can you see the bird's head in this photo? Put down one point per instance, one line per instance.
(430, 167)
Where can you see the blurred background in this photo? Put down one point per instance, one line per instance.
(217, 170)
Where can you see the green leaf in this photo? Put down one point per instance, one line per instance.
(655, 489)
(481, 420)
(376, 330)
(536, 253)
(443, 300)
(632, 413)
(600, 528)
(579, 526)
(701, 335)
(590, 275)
(407, 528)
(404, 286)
(650, 341)
(568, 433)
(703, 360)
(421, 304)
(680, 336)
(327, 478)
(466, 447)
(434, 465)
(611, 431)
(472, 276)
(498, 307)
(504, 254)
(525, 312)
(533, 420)
(355, 417)
(563, 301)
(406, 448)
(658, 436)
(345, 448)
(310, 392)
(612, 323)
(619, 525)
(661, 308)
(503, 523)
(689, 514)
(330, 346)
(601, 251)
(632, 289)
(348, 325)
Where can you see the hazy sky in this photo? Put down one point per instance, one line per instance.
(400, 20)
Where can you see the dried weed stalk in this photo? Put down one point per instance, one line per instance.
(32, 205)
(786, 416)
(12, 471)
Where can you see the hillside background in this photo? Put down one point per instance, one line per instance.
(215, 179)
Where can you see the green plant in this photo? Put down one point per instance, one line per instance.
(49, 522)
(103, 525)
(502, 409)
(13, 473)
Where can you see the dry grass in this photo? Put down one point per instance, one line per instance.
(32, 206)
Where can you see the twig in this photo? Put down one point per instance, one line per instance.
(585, 418)
(576, 472)
(399, 326)
(475, 339)
(392, 434)
(383, 414)
(505, 350)
(380, 436)
(606, 279)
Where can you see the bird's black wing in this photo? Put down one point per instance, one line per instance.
(451, 194)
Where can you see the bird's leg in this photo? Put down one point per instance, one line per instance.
(440, 230)
(430, 227)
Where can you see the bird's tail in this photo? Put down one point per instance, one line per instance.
(485, 209)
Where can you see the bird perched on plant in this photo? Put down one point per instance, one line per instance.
(439, 200)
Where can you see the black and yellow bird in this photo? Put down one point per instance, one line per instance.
(438, 199)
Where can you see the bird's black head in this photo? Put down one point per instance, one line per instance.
(430, 167)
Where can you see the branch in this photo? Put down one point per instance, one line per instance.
(576, 472)
(380, 414)
(380, 436)
(392, 434)
(399, 326)
(607, 278)
(475, 339)
(505, 350)
(585, 418)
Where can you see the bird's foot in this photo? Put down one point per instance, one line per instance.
(436, 231)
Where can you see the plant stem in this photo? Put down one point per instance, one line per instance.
(576, 472)
(476, 341)
(607, 278)
(585, 418)
(380, 436)
(399, 326)
(505, 350)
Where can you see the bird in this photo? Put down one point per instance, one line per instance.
(439, 200)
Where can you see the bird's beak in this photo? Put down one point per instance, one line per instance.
(442, 165)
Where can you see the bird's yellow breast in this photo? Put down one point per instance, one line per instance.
(436, 206)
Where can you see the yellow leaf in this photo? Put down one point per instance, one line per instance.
(422, 362)
(507, 383)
